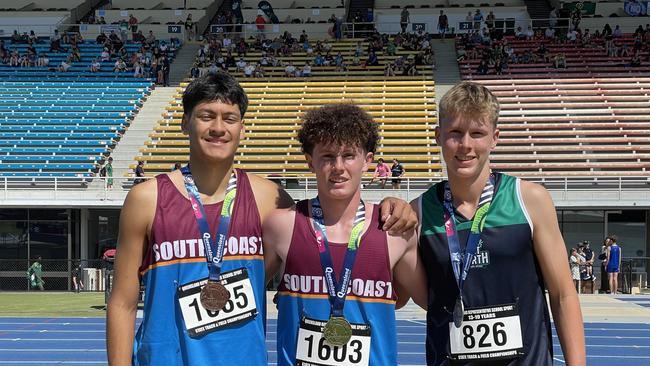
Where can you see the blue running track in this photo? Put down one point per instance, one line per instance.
(81, 341)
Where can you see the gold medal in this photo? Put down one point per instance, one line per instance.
(337, 331)
(214, 296)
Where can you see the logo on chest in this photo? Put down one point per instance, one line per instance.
(482, 257)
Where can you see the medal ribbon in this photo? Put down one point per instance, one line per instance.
(458, 260)
(214, 246)
(337, 292)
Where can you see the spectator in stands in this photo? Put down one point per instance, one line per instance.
(559, 61)
(241, 64)
(151, 38)
(372, 59)
(213, 68)
(138, 70)
(133, 24)
(95, 65)
(194, 71)
(15, 37)
(260, 24)
(35, 274)
(529, 33)
(477, 18)
(290, 70)
(259, 71)
(101, 20)
(75, 54)
(624, 51)
(572, 36)
(382, 170)
(617, 33)
(55, 42)
(177, 166)
(65, 65)
(498, 66)
(552, 18)
(489, 20)
(443, 25)
(190, 27)
(139, 173)
(43, 60)
(482, 68)
(397, 172)
(612, 50)
(249, 70)
(404, 20)
(576, 17)
(636, 59)
(306, 69)
(549, 33)
(32, 37)
(389, 69)
(120, 66)
(543, 53)
(109, 173)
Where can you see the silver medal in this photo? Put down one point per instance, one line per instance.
(459, 311)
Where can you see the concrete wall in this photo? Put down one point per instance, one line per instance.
(148, 16)
(161, 4)
(315, 31)
(42, 23)
(292, 4)
(285, 14)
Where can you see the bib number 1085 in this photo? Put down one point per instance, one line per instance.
(240, 300)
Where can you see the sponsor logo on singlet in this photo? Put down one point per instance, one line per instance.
(482, 257)
(194, 248)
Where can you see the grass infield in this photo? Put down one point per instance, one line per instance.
(52, 304)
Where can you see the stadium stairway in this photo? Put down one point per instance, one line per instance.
(183, 62)
(139, 130)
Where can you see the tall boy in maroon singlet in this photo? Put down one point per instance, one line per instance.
(339, 141)
(162, 242)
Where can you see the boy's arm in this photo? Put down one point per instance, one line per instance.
(135, 220)
(408, 274)
(277, 232)
(547, 242)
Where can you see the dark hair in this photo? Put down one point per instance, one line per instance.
(341, 124)
(214, 87)
(613, 238)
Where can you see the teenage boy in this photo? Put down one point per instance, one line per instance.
(341, 274)
(193, 237)
(490, 245)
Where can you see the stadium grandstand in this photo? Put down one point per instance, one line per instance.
(91, 94)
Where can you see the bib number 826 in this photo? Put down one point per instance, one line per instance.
(339, 354)
(498, 336)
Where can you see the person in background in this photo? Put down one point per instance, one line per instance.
(76, 276)
(139, 173)
(604, 280)
(109, 173)
(381, 173)
(397, 171)
(613, 264)
(35, 274)
(575, 260)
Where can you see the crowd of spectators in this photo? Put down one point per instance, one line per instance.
(151, 59)
(220, 53)
(496, 54)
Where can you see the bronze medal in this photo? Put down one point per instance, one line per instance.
(337, 331)
(214, 296)
(459, 312)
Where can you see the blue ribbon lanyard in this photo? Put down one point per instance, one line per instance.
(213, 246)
(337, 293)
(459, 260)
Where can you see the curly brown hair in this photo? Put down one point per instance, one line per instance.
(342, 124)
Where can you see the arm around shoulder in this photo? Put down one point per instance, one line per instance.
(547, 243)
(135, 221)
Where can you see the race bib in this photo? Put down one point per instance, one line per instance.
(487, 333)
(313, 350)
(240, 307)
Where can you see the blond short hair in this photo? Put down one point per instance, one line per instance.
(469, 100)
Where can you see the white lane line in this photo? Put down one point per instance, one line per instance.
(53, 349)
(417, 322)
(557, 359)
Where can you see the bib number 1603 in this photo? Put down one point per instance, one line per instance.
(350, 352)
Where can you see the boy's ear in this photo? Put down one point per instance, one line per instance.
(309, 163)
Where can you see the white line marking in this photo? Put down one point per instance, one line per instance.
(557, 359)
(417, 322)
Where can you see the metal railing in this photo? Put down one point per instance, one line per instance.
(98, 188)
